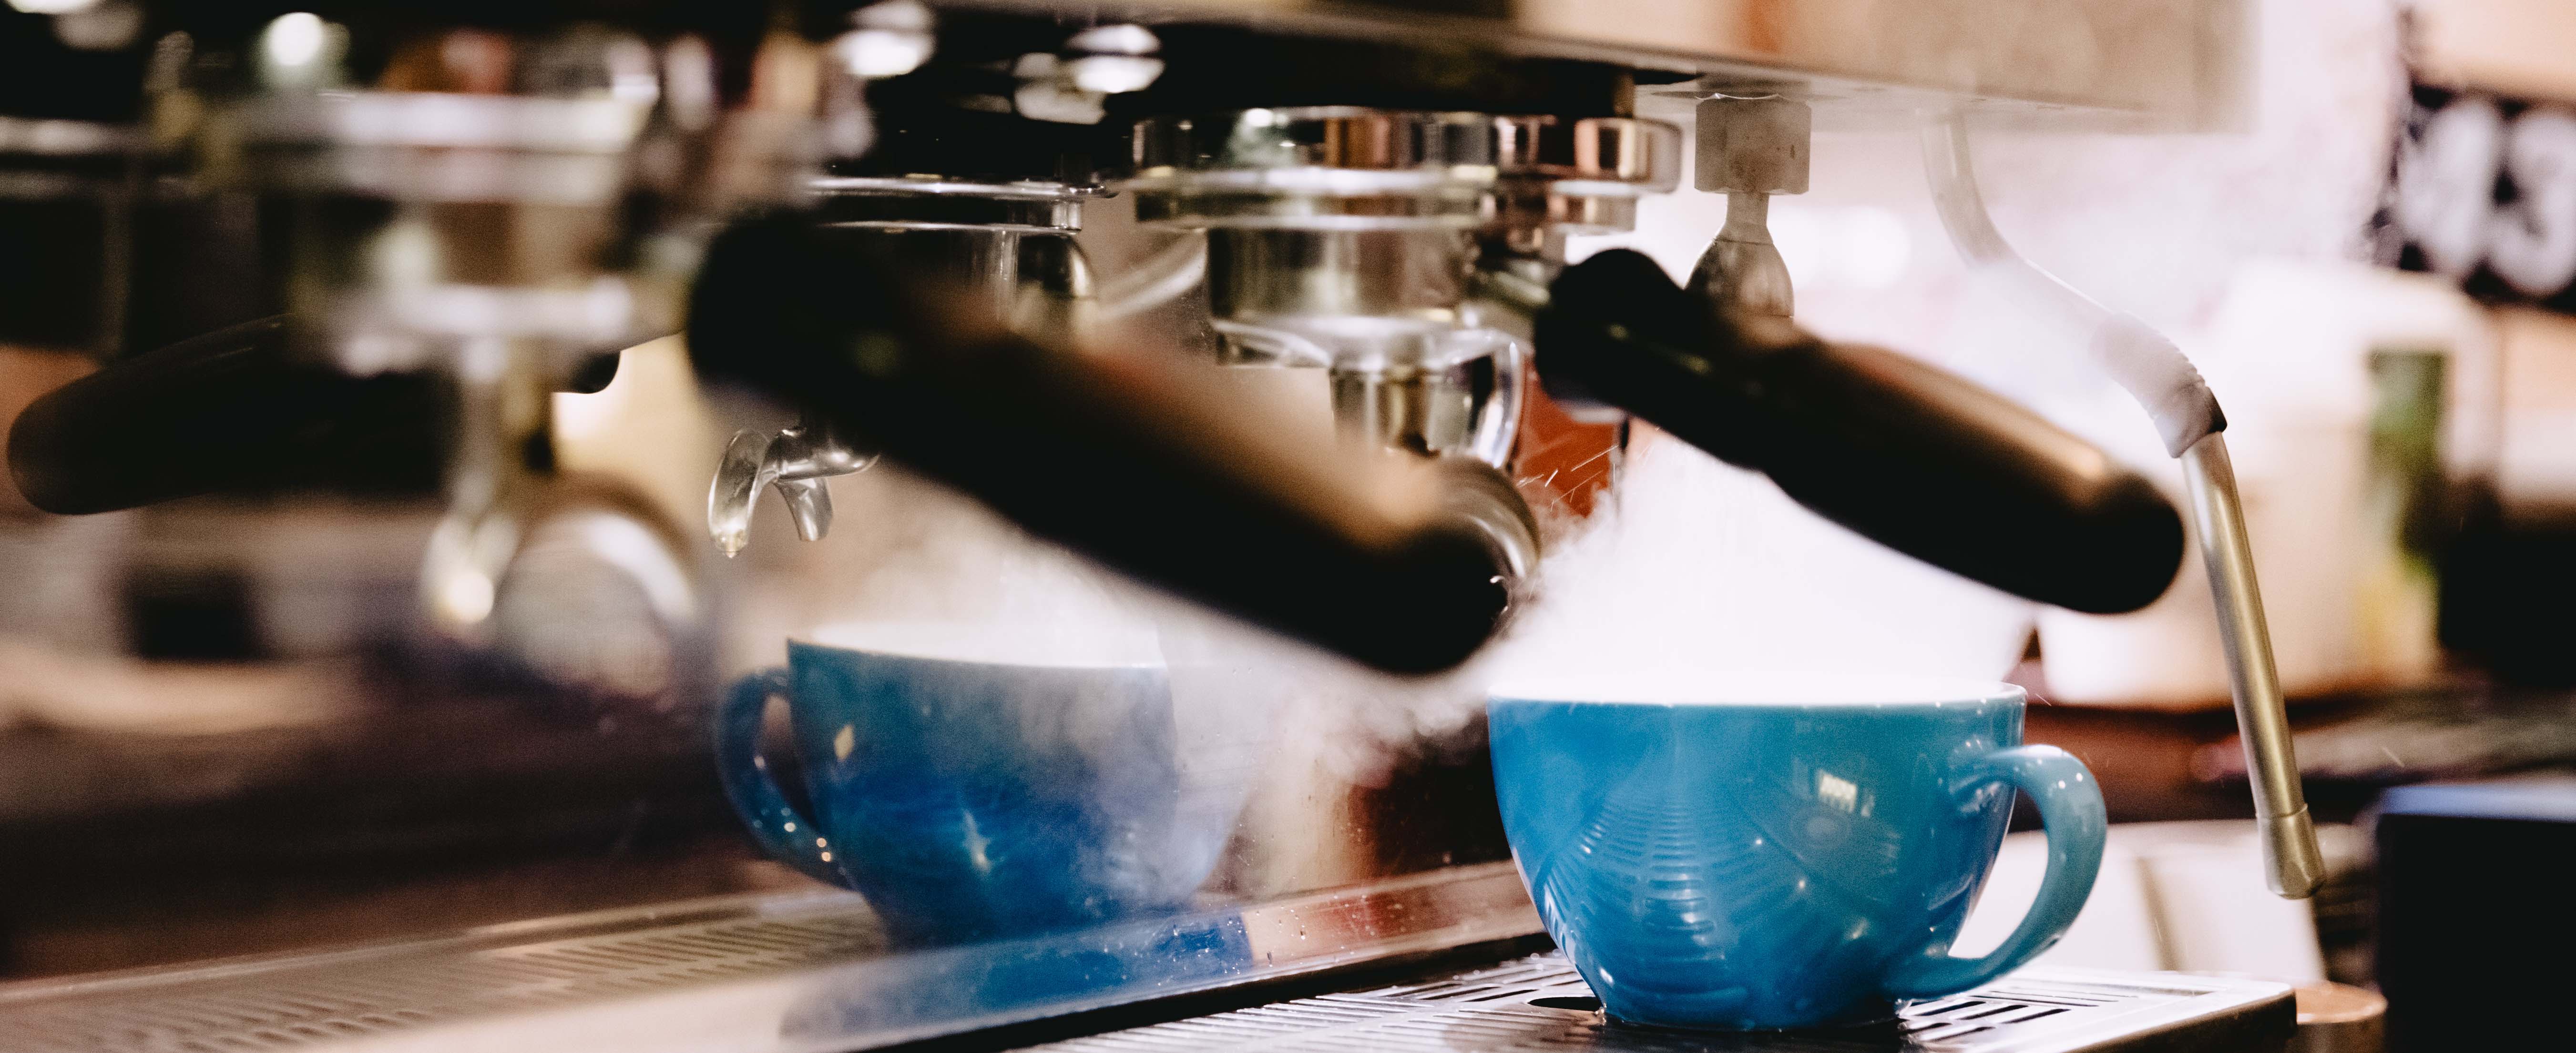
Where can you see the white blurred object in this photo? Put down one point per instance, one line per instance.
(2289, 352)
(1860, 247)
(116, 695)
(649, 426)
(2117, 930)
(1701, 565)
(64, 575)
(2171, 896)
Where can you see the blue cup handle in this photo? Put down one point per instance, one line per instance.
(2070, 807)
(786, 833)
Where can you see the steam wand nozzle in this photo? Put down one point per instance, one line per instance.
(2186, 413)
(1749, 149)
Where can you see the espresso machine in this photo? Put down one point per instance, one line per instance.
(867, 220)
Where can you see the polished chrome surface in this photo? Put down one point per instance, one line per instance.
(795, 460)
(1160, 278)
(1371, 298)
(1345, 237)
(1351, 168)
(1469, 406)
(1624, 150)
(1742, 268)
(931, 202)
(1640, 156)
(1538, 1003)
(1350, 138)
(805, 971)
(2293, 865)
(2125, 64)
(1010, 244)
(934, 185)
(1749, 149)
(1579, 176)
(1484, 498)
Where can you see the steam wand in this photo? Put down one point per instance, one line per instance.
(1749, 150)
(2163, 381)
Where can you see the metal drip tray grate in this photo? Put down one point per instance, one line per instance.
(297, 1002)
(781, 973)
(1539, 1003)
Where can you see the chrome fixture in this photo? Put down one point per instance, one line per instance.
(2164, 383)
(1346, 239)
(495, 209)
(1008, 245)
(1749, 150)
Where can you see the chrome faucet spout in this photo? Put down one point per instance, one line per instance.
(795, 461)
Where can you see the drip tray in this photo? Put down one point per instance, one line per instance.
(812, 973)
(767, 973)
(1539, 1003)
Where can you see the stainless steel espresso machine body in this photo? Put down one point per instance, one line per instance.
(884, 232)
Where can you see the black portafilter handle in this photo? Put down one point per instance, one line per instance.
(1916, 458)
(1129, 459)
(236, 410)
(232, 410)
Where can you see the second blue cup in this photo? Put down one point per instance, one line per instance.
(1780, 852)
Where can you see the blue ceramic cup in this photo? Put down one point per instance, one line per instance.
(972, 799)
(1780, 852)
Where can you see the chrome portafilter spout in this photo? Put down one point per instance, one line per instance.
(1005, 247)
(794, 460)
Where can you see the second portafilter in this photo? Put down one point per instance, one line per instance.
(1343, 238)
(1135, 458)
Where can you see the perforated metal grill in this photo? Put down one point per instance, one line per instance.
(810, 974)
(774, 973)
(1539, 1003)
(320, 999)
